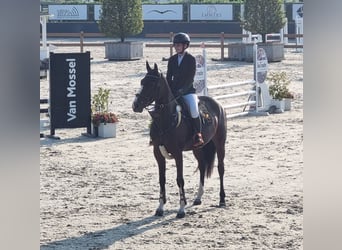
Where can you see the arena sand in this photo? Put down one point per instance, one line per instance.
(102, 193)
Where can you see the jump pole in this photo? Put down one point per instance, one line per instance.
(259, 65)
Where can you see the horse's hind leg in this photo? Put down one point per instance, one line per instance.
(220, 160)
(162, 179)
(201, 167)
(180, 183)
(200, 191)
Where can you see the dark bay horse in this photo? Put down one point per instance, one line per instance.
(171, 134)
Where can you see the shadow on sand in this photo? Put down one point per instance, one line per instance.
(103, 239)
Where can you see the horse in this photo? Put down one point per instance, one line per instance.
(171, 134)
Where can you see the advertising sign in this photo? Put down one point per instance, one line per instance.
(97, 11)
(219, 12)
(162, 12)
(261, 65)
(68, 12)
(297, 11)
(70, 90)
(200, 81)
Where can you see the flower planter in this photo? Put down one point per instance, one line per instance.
(287, 106)
(244, 51)
(123, 50)
(107, 130)
(237, 51)
(279, 104)
(274, 51)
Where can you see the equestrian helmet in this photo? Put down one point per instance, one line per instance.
(181, 38)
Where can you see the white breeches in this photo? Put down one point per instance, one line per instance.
(192, 101)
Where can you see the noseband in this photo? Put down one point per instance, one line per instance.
(144, 99)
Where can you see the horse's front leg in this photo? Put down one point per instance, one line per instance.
(162, 195)
(180, 183)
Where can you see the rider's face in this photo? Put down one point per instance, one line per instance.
(179, 47)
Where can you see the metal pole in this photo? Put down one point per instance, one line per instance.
(81, 41)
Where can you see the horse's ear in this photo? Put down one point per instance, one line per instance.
(148, 66)
(155, 67)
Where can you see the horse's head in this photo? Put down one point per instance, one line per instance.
(149, 89)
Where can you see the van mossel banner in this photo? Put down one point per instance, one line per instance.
(70, 90)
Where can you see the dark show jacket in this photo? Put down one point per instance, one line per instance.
(181, 77)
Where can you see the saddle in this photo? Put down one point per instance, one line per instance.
(182, 112)
(206, 117)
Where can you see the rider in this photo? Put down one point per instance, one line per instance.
(180, 75)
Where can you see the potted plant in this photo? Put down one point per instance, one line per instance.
(103, 121)
(279, 90)
(119, 19)
(261, 17)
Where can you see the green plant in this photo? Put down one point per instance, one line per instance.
(100, 113)
(121, 18)
(100, 100)
(263, 17)
(279, 85)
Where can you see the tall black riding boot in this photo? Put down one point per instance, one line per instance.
(198, 140)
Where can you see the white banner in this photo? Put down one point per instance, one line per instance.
(163, 12)
(97, 11)
(200, 81)
(220, 12)
(297, 11)
(261, 65)
(68, 12)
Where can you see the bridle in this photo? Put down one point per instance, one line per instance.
(145, 100)
(142, 99)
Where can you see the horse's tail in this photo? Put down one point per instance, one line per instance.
(209, 151)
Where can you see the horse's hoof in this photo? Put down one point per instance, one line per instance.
(197, 202)
(222, 204)
(159, 212)
(180, 215)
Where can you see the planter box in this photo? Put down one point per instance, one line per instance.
(244, 51)
(274, 51)
(287, 106)
(123, 50)
(107, 130)
(279, 104)
(237, 51)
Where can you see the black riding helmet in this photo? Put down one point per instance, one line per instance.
(181, 38)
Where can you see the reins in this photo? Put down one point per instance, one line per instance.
(152, 109)
(161, 105)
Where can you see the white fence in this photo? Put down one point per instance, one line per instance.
(239, 103)
(229, 94)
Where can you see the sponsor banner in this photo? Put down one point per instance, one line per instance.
(297, 11)
(261, 65)
(162, 12)
(70, 105)
(219, 12)
(68, 12)
(97, 11)
(200, 81)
